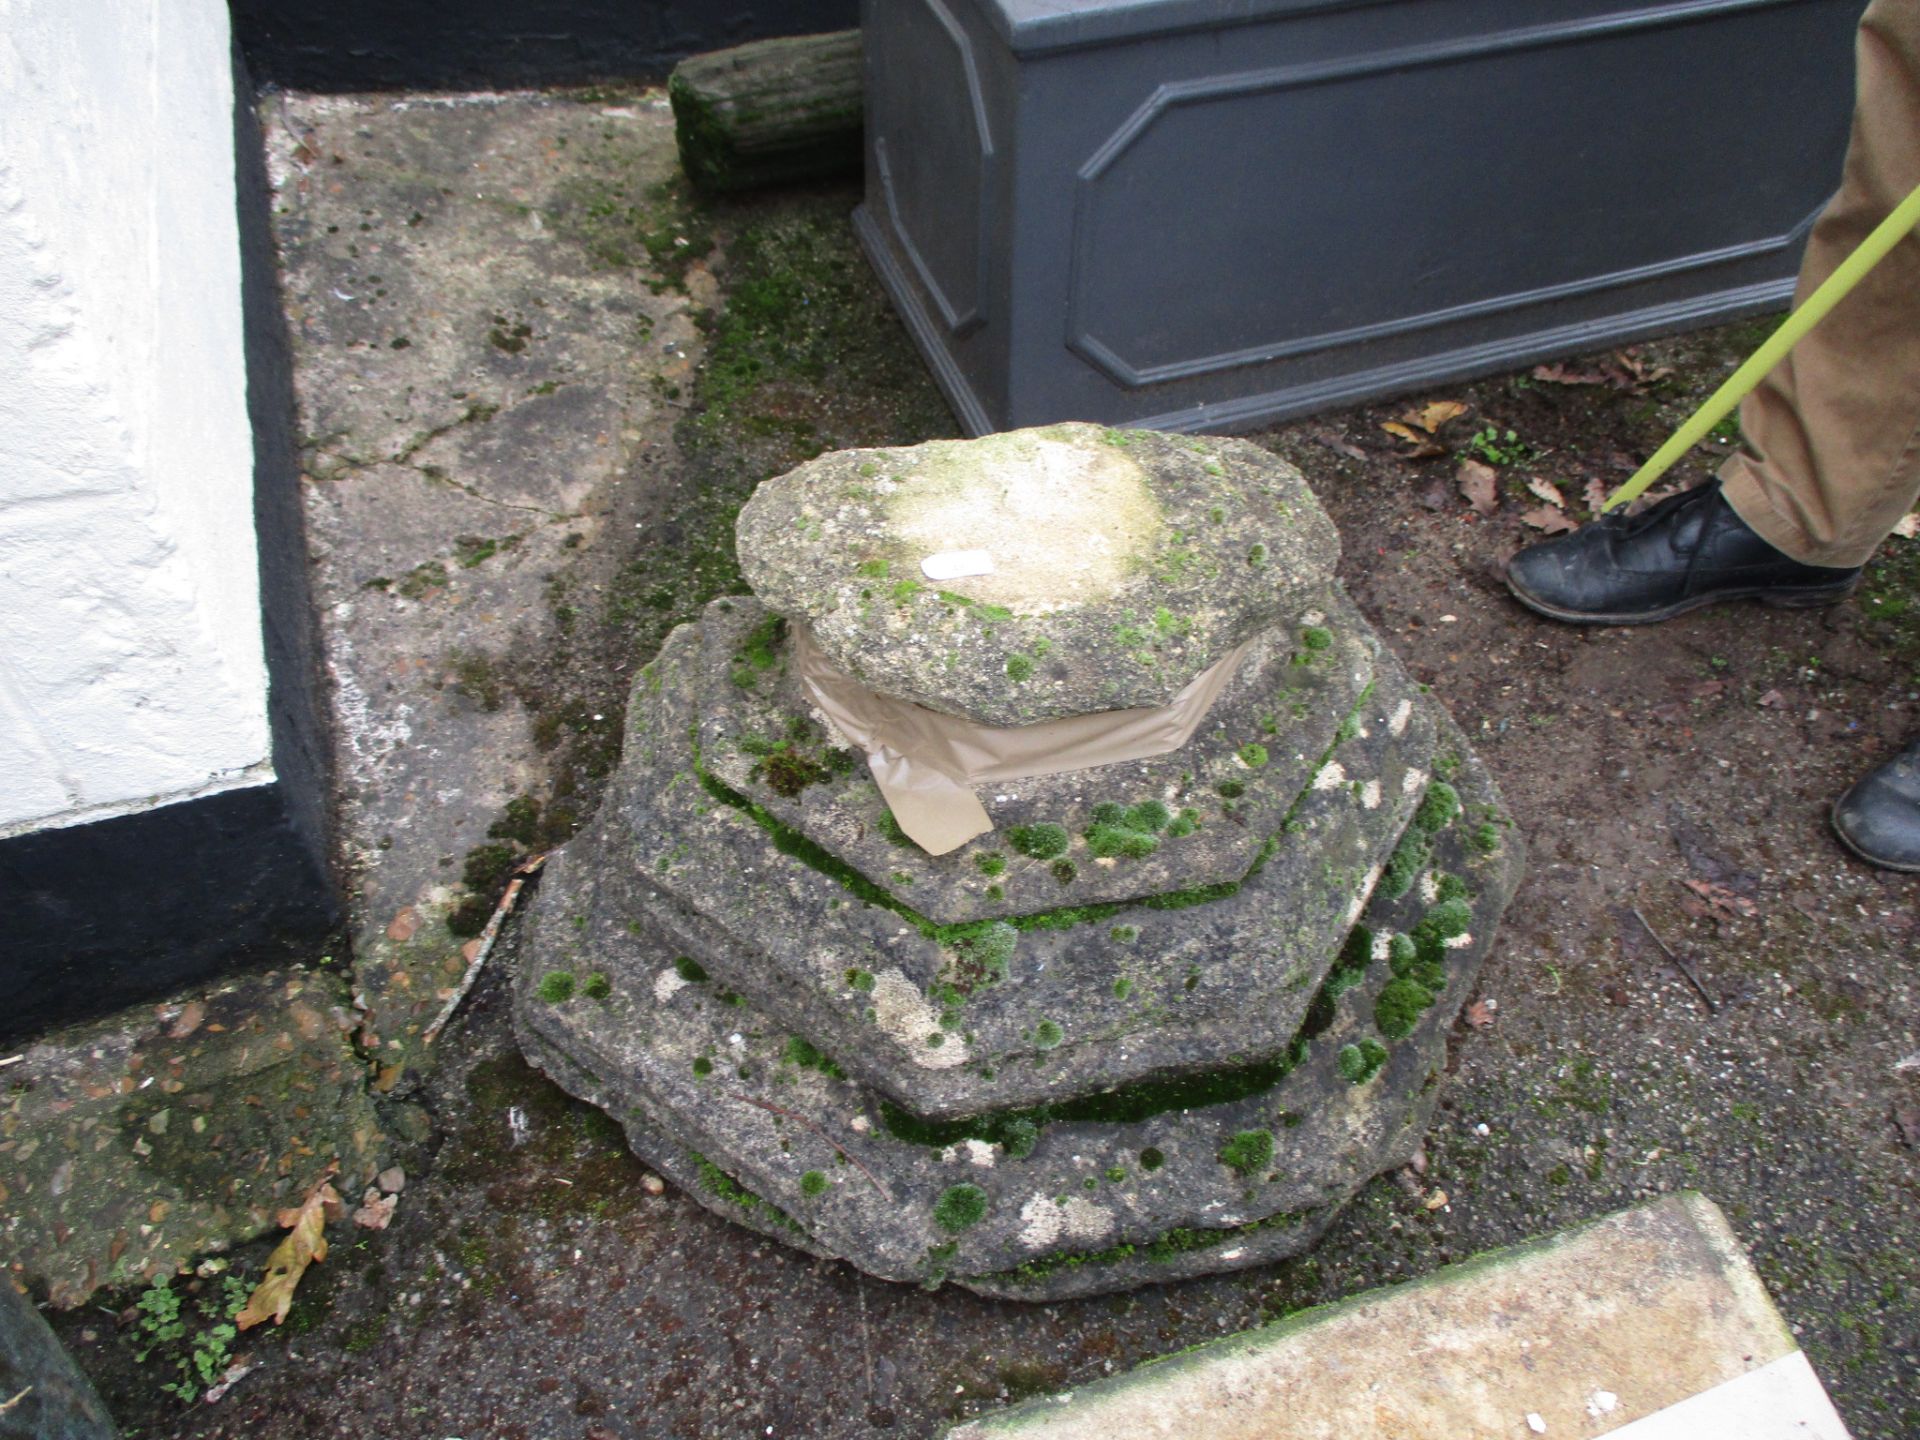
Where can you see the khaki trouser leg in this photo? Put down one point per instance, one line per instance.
(1833, 432)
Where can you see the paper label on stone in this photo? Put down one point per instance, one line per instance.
(956, 564)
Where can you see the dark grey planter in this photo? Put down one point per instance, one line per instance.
(1203, 214)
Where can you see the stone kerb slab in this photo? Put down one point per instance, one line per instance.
(1165, 1018)
(1648, 1323)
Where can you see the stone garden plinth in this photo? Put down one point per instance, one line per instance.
(1162, 1015)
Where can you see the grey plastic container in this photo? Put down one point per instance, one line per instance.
(1204, 214)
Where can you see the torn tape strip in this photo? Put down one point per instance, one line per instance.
(927, 763)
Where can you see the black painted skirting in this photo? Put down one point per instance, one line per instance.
(342, 45)
(297, 708)
(106, 915)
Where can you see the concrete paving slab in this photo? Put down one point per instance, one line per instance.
(493, 303)
(1782, 1400)
(1601, 1330)
(132, 1145)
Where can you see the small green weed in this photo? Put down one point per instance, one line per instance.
(192, 1334)
(1499, 447)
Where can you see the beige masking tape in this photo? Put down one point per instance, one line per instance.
(926, 763)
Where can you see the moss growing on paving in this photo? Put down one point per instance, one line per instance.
(722, 1186)
(1162, 1250)
(1360, 1062)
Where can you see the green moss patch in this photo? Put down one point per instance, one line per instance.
(1360, 1063)
(1126, 1105)
(722, 1186)
(1044, 841)
(1164, 1249)
(1248, 1151)
(960, 1207)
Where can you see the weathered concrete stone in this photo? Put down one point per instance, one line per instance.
(953, 1019)
(1164, 1019)
(1092, 1193)
(1225, 792)
(43, 1395)
(130, 1145)
(1651, 1322)
(481, 433)
(1124, 562)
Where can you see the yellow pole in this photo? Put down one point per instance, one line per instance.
(1888, 233)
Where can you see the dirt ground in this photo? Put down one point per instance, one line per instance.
(1673, 784)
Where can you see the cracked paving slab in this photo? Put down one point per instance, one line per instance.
(133, 1144)
(491, 317)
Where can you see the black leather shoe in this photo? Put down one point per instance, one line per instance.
(1879, 818)
(1689, 550)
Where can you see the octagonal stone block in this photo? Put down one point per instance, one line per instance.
(1165, 1016)
(1148, 1181)
(1220, 797)
(952, 1019)
(1040, 573)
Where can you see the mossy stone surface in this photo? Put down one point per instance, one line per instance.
(137, 1142)
(1186, 957)
(1123, 564)
(1204, 809)
(1020, 1010)
(1042, 1231)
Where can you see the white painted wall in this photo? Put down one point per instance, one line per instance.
(131, 671)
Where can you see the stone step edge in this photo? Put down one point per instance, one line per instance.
(1587, 1332)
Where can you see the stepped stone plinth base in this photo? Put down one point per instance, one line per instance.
(1165, 1017)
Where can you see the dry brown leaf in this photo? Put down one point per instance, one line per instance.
(1479, 486)
(1630, 372)
(1561, 375)
(1595, 494)
(272, 1298)
(1338, 445)
(1431, 417)
(1479, 1014)
(1545, 517)
(376, 1210)
(1721, 898)
(1548, 491)
(1422, 445)
(1437, 1200)
(189, 1020)
(1908, 527)
(1907, 1118)
(1652, 497)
